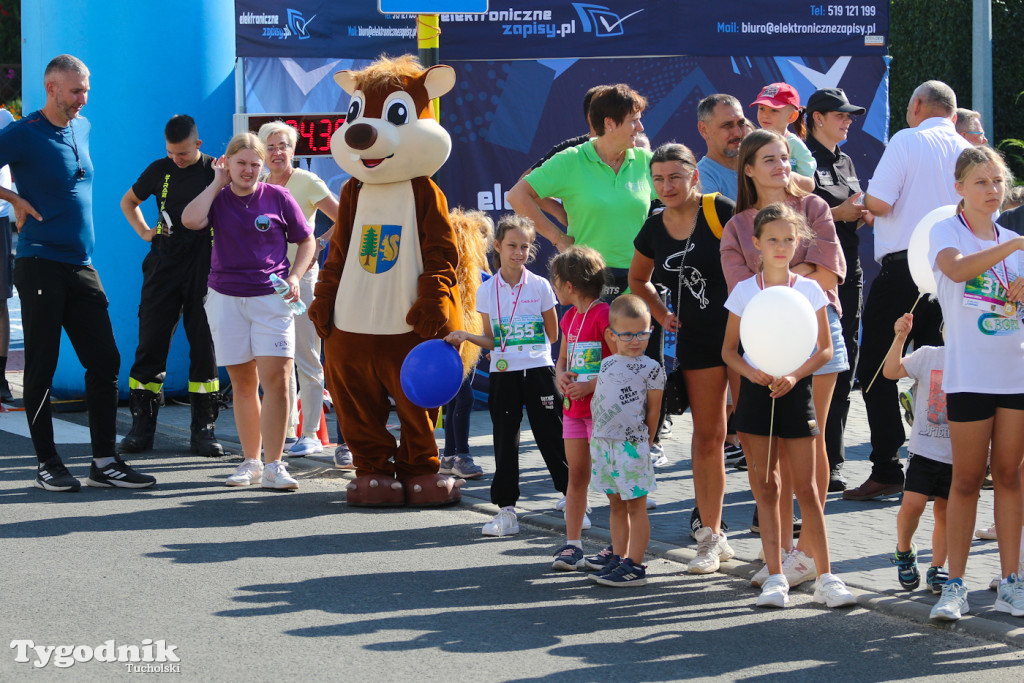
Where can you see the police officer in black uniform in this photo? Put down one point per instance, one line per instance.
(829, 115)
(174, 276)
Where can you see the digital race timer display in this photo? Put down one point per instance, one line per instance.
(315, 130)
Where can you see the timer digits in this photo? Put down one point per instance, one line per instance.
(314, 130)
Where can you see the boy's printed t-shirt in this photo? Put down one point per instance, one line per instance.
(516, 317)
(929, 436)
(619, 403)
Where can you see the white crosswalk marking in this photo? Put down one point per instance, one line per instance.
(63, 431)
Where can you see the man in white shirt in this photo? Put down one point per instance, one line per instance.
(914, 176)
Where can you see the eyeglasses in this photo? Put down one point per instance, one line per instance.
(283, 147)
(630, 336)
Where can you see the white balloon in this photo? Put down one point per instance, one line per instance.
(917, 252)
(778, 329)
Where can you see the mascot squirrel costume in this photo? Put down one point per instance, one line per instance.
(389, 282)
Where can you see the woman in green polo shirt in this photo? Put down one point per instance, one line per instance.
(604, 184)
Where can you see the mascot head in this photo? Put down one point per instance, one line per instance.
(390, 133)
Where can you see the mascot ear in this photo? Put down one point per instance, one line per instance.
(438, 80)
(346, 81)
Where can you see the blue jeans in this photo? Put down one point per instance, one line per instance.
(456, 420)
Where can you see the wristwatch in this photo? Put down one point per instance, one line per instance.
(322, 242)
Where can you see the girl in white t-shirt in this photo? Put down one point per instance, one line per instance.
(978, 267)
(777, 231)
(517, 308)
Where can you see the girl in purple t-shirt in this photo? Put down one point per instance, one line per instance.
(252, 327)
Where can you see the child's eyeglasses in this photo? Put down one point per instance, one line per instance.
(630, 336)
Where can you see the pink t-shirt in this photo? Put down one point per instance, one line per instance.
(585, 346)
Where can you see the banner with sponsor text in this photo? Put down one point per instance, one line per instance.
(553, 29)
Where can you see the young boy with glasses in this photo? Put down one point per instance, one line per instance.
(625, 408)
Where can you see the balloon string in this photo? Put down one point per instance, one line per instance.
(771, 427)
(872, 382)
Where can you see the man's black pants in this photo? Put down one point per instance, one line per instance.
(55, 295)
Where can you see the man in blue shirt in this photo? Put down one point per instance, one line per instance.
(721, 123)
(48, 152)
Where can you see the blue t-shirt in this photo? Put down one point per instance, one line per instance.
(717, 178)
(44, 161)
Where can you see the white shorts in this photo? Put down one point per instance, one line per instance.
(244, 327)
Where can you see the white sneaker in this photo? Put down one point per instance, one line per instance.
(994, 584)
(986, 534)
(560, 506)
(651, 503)
(711, 549)
(952, 603)
(830, 590)
(1010, 596)
(306, 445)
(760, 577)
(249, 472)
(798, 568)
(503, 524)
(586, 521)
(775, 592)
(275, 476)
(658, 457)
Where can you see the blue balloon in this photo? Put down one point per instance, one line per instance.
(432, 373)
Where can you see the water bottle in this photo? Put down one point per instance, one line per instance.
(282, 288)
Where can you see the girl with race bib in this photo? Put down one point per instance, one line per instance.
(578, 276)
(517, 308)
(978, 268)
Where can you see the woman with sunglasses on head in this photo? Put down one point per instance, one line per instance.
(678, 249)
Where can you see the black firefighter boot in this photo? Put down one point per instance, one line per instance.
(144, 405)
(205, 408)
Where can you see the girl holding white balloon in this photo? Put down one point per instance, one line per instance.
(765, 179)
(775, 403)
(978, 268)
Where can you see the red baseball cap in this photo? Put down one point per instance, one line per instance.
(777, 96)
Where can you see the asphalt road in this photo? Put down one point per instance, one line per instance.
(257, 585)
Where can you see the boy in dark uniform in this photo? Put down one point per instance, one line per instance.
(174, 276)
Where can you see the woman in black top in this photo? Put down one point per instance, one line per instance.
(678, 250)
(829, 115)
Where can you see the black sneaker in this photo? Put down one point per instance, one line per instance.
(733, 454)
(5, 391)
(696, 524)
(118, 474)
(755, 526)
(53, 476)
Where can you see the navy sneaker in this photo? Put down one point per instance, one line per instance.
(118, 474)
(613, 563)
(600, 561)
(936, 578)
(625, 574)
(569, 558)
(906, 568)
(53, 476)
